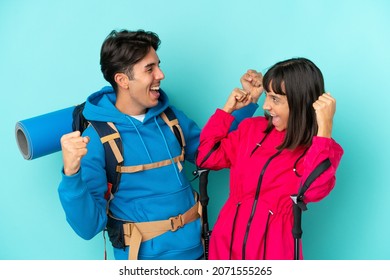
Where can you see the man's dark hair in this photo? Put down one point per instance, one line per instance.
(122, 49)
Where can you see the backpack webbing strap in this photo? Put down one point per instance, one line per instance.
(299, 205)
(321, 167)
(112, 144)
(148, 166)
(325, 164)
(213, 149)
(112, 141)
(170, 119)
(78, 120)
(135, 233)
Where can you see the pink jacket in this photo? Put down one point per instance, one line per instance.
(247, 228)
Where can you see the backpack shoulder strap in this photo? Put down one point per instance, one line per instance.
(320, 168)
(299, 205)
(78, 120)
(112, 143)
(170, 119)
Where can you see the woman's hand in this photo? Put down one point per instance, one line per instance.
(325, 108)
(252, 83)
(237, 99)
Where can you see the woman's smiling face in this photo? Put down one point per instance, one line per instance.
(277, 107)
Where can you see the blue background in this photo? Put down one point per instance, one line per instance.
(49, 60)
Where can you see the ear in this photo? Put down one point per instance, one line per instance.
(122, 80)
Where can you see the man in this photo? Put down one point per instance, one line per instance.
(160, 194)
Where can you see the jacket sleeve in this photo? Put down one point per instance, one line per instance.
(218, 147)
(321, 149)
(191, 130)
(245, 112)
(82, 194)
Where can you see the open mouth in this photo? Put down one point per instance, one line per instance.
(155, 92)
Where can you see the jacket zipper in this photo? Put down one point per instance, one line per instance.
(255, 202)
(266, 233)
(234, 227)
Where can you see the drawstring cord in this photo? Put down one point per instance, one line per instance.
(142, 141)
(167, 147)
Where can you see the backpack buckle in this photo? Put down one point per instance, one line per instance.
(176, 222)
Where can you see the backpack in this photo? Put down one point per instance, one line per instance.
(112, 144)
(113, 148)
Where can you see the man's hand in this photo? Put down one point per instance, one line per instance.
(74, 147)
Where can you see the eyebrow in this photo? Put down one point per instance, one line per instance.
(277, 95)
(274, 95)
(152, 64)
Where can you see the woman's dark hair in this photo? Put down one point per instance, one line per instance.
(122, 49)
(302, 82)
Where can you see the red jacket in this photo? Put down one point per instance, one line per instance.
(249, 228)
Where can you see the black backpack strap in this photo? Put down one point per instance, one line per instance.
(299, 205)
(203, 174)
(113, 148)
(78, 120)
(324, 165)
(170, 119)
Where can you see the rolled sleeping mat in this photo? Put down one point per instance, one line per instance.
(40, 136)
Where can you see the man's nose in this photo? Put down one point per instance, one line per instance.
(159, 74)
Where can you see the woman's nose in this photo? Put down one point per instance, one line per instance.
(266, 105)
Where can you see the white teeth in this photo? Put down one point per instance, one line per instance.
(155, 88)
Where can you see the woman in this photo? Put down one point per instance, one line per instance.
(269, 158)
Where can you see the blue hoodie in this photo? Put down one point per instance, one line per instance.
(150, 195)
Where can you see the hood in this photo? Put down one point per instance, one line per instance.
(100, 106)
